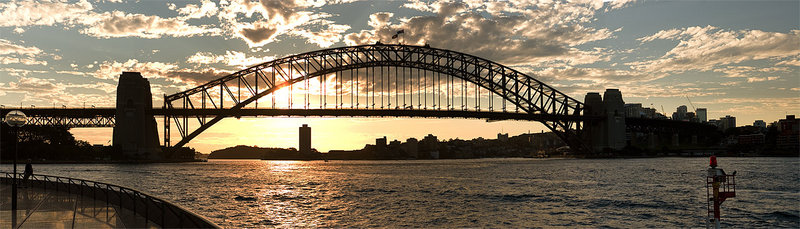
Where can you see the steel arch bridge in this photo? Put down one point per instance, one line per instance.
(382, 78)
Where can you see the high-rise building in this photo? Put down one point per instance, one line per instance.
(702, 114)
(305, 139)
(691, 117)
(680, 114)
(760, 124)
(727, 122)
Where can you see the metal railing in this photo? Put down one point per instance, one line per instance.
(727, 189)
(153, 209)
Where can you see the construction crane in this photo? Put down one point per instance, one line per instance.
(690, 102)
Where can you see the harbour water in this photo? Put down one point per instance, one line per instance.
(516, 192)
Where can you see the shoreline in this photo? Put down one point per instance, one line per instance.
(553, 157)
(366, 159)
(103, 162)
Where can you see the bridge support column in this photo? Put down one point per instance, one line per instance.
(652, 139)
(676, 140)
(135, 133)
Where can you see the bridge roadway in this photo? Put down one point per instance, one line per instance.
(104, 117)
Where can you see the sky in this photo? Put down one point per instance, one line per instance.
(738, 58)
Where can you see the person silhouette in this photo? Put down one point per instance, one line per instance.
(28, 172)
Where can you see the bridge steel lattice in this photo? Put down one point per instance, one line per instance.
(383, 77)
(67, 117)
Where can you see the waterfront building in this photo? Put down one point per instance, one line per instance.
(502, 137)
(752, 139)
(788, 133)
(726, 122)
(411, 147)
(381, 142)
(380, 146)
(702, 114)
(427, 146)
(305, 139)
(634, 110)
(714, 122)
(649, 112)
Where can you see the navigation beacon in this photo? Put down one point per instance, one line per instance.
(719, 186)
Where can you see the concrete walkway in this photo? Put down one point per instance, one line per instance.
(40, 208)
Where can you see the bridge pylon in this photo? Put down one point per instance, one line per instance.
(609, 131)
(135, 132)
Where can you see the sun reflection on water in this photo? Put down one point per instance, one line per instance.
(283, 166)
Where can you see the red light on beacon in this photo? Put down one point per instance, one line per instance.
(713, 161)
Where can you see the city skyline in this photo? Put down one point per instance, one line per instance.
(733, 58)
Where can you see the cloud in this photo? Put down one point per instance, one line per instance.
(747, 106)
(207, 9)
(21, 60)
(736, 71)
(704, 48)
(11, 53)
(28, 13)
(46, 92)
(34, 85)
(513, 33)
(107, 24)
(257, 23)
(257, 34)
(112, 70)
(121, 24)
(759, 79)
(753, 74)
(597, 75)
(790, 62)
(231, 58)
(6, 47)
(324, 38)
(196, 77)
(275, 18)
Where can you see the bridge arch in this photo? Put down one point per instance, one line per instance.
(524, 92)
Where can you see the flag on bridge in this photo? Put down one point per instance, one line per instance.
(398, 33)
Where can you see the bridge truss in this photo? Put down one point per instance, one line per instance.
(69, 118)
(388, 79)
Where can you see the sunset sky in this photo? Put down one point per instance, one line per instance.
(739, 58)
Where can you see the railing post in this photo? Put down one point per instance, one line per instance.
(162, 214)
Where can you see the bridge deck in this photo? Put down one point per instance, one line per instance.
(249, 112)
